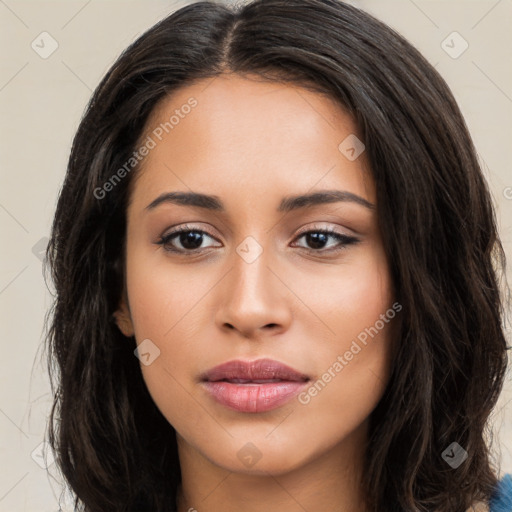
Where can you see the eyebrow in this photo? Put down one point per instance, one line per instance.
(288, 203)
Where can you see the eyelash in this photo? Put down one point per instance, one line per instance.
(344, 240)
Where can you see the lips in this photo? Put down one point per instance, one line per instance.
(255, 386)
(260, 371)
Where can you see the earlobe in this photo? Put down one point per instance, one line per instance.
(123, 319)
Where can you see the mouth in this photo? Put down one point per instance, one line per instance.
(255, 386)
(260, 371)
(249, 381)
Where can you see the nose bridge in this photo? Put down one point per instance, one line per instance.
(252, 296)
(251, 259)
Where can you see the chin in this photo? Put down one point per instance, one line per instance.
(258, 457)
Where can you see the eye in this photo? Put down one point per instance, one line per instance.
(318, 238)
(190, 240)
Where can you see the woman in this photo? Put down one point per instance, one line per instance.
(277, 272)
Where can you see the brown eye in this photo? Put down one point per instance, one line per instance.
(189, 240)
(184, 240)
(317, 239)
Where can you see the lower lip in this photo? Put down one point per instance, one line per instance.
(254, 397)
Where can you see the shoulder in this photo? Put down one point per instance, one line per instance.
(501, 500)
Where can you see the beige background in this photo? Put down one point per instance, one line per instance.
(41, 102)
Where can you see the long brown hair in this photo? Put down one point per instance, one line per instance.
(113, 446)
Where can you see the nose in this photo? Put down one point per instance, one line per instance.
(254, 299)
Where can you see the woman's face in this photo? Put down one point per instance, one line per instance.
(253, 276)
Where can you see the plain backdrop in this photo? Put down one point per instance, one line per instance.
(42, 97)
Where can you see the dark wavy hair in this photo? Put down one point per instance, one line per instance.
(113, 446)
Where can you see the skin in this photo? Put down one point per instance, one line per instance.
(251, 143)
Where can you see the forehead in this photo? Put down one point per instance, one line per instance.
(236, 136)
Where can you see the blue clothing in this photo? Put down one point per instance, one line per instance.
(501, 500)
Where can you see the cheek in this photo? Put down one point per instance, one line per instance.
(353, 377)
(353, 364)
(161, 296)
(350, 297)
(162, 306)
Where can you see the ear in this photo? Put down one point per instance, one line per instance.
(123, 318)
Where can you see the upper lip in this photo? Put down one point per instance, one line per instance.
(258, 370)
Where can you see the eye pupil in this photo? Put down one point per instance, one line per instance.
(316, 240)
(191, 237)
